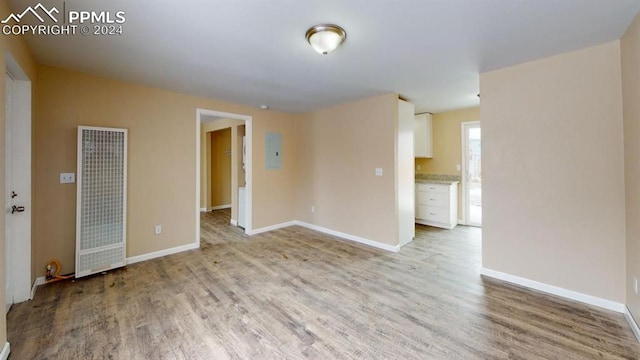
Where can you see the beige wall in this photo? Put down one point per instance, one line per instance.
(274, 191)
(447, 142)
(220, 156)
(630, 53)
(553, 181)
(447, 146)
(162, 171)
(15, 46)
(339, 150)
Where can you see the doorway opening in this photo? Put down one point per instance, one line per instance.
(224, 166)
(472, 173)
(219, 166)
(17, 184)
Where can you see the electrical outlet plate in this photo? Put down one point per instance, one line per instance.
(67, 178)
(157, 230)
(635, 284)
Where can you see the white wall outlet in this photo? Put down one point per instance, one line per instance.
(635, 284)
(313, 209)
(419, 167)
(378, 171)
(157, 229)
(458, 167)
(67, 178)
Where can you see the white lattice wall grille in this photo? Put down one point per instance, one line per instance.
(101, 199)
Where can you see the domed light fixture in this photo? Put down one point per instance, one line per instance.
(325, 38)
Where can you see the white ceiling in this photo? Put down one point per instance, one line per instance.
(254, 51)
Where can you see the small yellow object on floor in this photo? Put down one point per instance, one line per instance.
(53, 271)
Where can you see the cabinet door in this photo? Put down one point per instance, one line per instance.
(433, 199)
(422, 136)
(436, 213)
(439, 188)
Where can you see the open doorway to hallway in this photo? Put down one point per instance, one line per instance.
(225, 171)
(224, 166)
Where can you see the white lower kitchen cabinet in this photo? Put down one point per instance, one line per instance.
(437, 204)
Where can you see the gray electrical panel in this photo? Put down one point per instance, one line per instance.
(273, 142)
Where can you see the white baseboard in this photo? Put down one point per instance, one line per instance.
(6, 349)
(161, 253)
(346, 236)
(632, 323)
(220, 207)
(321, 229)
(39, 281)
(554, 290)
(461, 222)
(203, 209)
(273, 227)
(234, 222)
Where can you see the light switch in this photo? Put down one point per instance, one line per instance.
(378, 171)
(458, 167)
(67, 178)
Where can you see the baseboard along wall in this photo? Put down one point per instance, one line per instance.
(555, 290)
(6, 349)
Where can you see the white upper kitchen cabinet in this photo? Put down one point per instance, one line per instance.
(423, 136)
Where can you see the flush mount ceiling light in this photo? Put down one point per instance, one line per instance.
(325, 38)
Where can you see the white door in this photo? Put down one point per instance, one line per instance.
(472, 172)
(17, 191)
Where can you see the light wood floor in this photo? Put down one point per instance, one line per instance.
(296, 294)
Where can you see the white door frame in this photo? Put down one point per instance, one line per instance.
(248, 121)
(463, 177)
(18, 239)
(8, 248)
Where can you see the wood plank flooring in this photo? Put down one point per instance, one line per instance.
(297, 294)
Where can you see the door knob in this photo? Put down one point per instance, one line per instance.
(16, 209)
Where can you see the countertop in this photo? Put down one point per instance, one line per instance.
(437, 179)
(445, 182)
